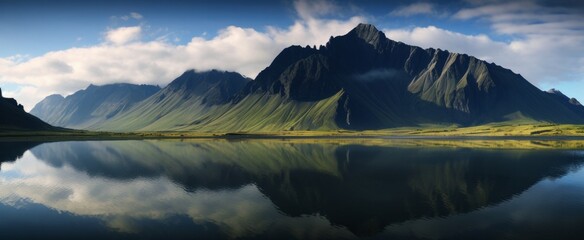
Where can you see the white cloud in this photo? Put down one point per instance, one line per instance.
(17, 58)
(538, 50)
(312, 31)
(413, 9)
(136, 15)
(133, 15)
(123, 204)
(496, 9)
(547, 44)
(123, 35)
(538, 59)
(309, 9)
(480, 46)
(123, 57)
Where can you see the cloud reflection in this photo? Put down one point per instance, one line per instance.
(123, 204)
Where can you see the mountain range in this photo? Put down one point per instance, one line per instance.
(91, 106)
(361, 80)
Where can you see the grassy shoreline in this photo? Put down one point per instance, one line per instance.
(498, 137)
(490, 131)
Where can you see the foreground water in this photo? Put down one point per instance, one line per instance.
(287, 189)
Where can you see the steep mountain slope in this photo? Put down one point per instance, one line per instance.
(181, 103)
(13, 117)
(91, 106)
(570, 103)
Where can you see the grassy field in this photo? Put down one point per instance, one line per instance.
(490, 130)
(542, 136)
(542, 129)
(483, 131)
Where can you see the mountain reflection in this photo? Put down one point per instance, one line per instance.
(363, 188)
(10, 151)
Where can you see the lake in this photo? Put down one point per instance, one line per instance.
(291, 189)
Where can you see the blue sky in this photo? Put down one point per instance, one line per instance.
(36, 27)
(62, 46)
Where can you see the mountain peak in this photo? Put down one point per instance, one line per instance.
(369, 33)
(192, 78)
(563, 97)
(557, 92)
(213, 86)
(365, 27)
(55, 97)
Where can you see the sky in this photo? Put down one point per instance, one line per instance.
(62, 46)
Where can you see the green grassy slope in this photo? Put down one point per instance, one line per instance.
(188, 100)
(257, 113)
(183, 159)
(272, 113)
(156, 113)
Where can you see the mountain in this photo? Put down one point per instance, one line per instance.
(380, 83)
(91, 106)
(359, 81)
(570, 103)
(186, 99)
(363, 80)
(13, 117)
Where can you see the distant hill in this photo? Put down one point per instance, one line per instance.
(359, 81)
(179, 105)
(91, 106)
(13, 117)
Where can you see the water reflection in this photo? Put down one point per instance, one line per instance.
(257, 189)
(10, 151)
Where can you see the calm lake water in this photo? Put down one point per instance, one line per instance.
(165, 189)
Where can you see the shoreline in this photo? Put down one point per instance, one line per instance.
(26, 135)
(494, 132)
